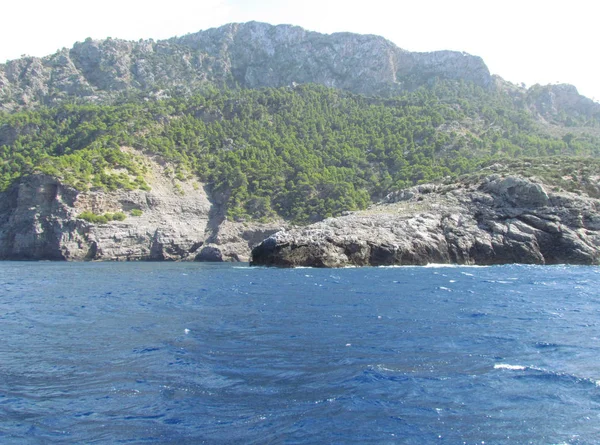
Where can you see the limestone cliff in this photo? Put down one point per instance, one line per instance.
(497, 220)
(248, 55)
(553, 101)
(175, 220)
(253, 55)
(559, 104)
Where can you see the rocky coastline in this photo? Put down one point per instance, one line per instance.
(495, 220)
(498, 219)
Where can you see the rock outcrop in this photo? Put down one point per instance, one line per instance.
(175, 220)
(497, 220)
(553, 101)
(249, 55)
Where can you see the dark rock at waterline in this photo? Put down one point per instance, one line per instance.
(210, 254)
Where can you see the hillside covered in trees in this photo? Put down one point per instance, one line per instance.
(275, 121)
(302, 153)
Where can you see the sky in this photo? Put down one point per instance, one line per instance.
(523, 41)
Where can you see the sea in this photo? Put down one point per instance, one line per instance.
(197, 353)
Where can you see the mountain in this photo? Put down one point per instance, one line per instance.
(248, 55)
(254, 55)
(195, 147)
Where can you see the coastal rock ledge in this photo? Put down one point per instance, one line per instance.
(493, 220)
(41, 219)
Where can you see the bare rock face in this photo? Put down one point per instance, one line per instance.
(250, 55)
(232, 241)
(262, 55)
(496, 221)
(550, 101)
(39, 220)
(34, 216)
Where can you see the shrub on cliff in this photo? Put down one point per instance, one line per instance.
(101, 219)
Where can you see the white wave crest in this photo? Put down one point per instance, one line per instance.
(509, 367)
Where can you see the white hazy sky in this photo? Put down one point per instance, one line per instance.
(530, 41)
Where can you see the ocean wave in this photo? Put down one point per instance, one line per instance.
(548, 374)
(457, 266)
(510, 367)
(431, 266)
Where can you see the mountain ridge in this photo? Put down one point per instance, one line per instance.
(248, 55)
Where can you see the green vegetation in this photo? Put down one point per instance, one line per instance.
(302, 153)
(102, 219)
(136, 212)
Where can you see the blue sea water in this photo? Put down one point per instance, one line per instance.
(175, 353)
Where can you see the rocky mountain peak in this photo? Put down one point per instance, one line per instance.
(552, 100)
(249, 55)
